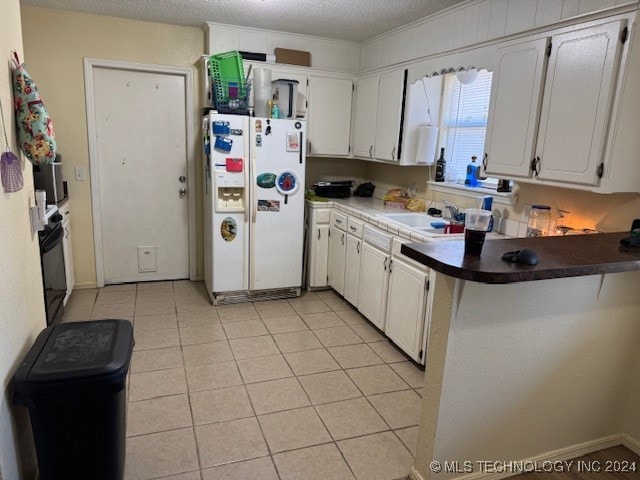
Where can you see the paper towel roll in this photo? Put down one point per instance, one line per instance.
(261, 91)
(427, 143)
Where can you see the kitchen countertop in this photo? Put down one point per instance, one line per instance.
(568, 256)
(370, 209)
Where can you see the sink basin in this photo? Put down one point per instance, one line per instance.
(418, 221)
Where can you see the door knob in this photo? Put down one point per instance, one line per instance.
(182, 192)
(182, 179)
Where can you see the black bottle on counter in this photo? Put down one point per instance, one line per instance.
(441, 167)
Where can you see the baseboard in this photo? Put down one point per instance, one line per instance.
(567, 453)
(631, 443)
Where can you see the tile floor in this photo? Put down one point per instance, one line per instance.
(278, 390)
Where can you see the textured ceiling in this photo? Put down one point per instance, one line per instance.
(355, 20)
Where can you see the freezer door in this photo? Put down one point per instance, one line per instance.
(230, 260)
(277, 203)
(228, 231)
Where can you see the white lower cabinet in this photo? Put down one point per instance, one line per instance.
(364, 265)
(374, 282)
(337, 250)
(407, 307)
(67, 252)
(318, 253)
(352, 260)
(318, 247)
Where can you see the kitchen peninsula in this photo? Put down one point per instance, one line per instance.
(519, 369)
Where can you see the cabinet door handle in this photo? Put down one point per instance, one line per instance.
(358, 247)
(485, 161)
(393, 153)
(371, 151)
(352, 228)
(309, 149)
(338, 221)
(385, 263)
(390, 263)
(318, 234)
(342, 239)
(535, 166)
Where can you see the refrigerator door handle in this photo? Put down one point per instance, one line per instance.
(254, 201)
(301, 150)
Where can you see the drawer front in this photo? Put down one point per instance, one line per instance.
(339, 221)
(377, 238)
(355, 227)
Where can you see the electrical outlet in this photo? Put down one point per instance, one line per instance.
(79, 174)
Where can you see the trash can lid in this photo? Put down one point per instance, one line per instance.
(69, 360)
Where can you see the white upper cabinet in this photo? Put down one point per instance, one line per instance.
(364, 122)
(388, 118)
(329, 116)
(579, 91)
(377, 119)
(516, 92)
(552, 109)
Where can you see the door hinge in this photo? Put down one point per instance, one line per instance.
(549, 49)
(329, 234)
(427, 285)
(421, 354)
(307, 82)
(306, 104)
(624, 35)
(353, 87)
(601, 170)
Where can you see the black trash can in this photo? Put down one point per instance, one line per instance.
(74, 382)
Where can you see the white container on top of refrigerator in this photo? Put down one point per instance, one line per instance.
(254, 208)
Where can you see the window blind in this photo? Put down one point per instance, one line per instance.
(464, 123)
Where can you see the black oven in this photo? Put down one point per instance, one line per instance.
(53, 273)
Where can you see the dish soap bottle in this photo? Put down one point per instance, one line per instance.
(471, 180)
(441, 165)
(275, 110)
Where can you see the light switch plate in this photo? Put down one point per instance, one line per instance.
(79, 175)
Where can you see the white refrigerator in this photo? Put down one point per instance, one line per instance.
(254, 173)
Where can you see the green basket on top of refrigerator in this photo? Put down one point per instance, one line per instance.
(229, 88)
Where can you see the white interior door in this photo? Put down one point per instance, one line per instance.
(141, 150)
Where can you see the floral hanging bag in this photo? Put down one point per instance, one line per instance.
(35, 129)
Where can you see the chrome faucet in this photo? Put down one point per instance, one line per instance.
(453, 209)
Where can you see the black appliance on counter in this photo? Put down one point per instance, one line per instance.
(53, 272)
(334, 189)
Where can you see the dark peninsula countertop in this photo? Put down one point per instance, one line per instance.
(568, 256)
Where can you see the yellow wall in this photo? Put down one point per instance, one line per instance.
(21, 298)
(55, 44)
(608, 213)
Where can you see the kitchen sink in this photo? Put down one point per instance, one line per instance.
(417, 221)
(420, 222)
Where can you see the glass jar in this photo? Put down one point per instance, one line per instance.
(539, 221)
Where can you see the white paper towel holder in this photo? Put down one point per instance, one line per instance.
(427, 142)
